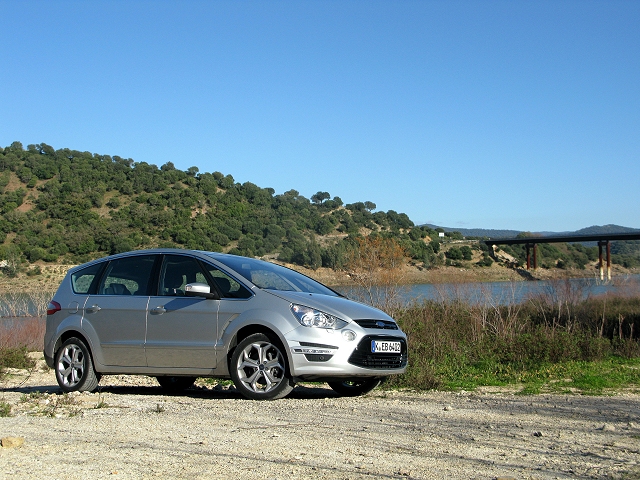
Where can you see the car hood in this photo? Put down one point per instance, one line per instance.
(340, 307)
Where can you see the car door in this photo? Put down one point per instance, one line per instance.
(181, 331)
(117, 311)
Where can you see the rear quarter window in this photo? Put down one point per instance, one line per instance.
(82, 280)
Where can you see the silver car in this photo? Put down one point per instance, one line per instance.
(181, 314)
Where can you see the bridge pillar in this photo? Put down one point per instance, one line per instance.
(535, 255)
(608, 260)
(607, 244)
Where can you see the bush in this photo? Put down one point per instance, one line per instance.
(15, 358)
(456, 344)
(454, 253)
(485, 261)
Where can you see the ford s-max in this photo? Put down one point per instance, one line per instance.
(180, 314)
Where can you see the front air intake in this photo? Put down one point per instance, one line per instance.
(363, 357)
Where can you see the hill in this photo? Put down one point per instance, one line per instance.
(478, 232)
(67, 207)
(493, 233)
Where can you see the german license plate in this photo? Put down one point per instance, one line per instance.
(385, 346)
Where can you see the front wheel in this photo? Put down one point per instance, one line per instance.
(355, 388)
(259, 368)
(74, 367)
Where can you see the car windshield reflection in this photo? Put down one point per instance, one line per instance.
(270, 276)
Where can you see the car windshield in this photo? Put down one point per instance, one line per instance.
(271, 276)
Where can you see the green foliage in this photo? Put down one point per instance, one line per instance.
(626, 254)
(560, 255)
(70, 206)
(84, 205)
(467, 253)
(15, 358)
(485, 261)
(590, 345)
(454, 253)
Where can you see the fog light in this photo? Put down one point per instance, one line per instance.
(349, 335)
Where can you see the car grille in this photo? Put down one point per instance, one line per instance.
(384, 324)
(362, 356)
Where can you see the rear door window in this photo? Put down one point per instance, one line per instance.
(128, 276)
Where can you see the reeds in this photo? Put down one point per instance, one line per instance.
(464, 331)
(23, 320)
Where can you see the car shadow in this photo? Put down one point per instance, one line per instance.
(301, 391)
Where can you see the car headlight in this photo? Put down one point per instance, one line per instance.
(310, 317)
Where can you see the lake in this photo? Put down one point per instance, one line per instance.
(504, 293)
(498, 293)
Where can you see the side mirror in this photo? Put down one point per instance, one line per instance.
(197, 289)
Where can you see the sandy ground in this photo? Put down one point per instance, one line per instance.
(130, 429)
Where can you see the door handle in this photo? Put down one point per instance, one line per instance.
(158, 310)
(94, 309)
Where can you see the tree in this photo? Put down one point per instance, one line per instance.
(320, 197)
(467, 253)
(454, 253)
(376, 264)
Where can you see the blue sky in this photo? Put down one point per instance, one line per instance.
(496, 114)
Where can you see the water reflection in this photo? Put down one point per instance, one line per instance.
(508, 293)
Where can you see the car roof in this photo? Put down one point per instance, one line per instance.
(156, 251)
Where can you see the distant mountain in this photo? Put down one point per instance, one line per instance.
(596, 229)
(479, 232)
(490, 233)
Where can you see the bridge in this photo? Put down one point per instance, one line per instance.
(531, 243)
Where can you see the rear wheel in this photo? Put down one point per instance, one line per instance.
(259, 368)
(355, 388)
(176, 384)
(74, 367)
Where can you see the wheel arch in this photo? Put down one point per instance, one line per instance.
(66, 335)
(251, 329)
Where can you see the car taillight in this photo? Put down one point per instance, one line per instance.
(53, 307)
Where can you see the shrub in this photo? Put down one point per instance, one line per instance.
(15, 358)
(456, 343)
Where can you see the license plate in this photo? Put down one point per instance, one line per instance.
(384, 346)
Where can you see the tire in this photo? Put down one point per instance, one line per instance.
(74, 367)
(176, 384)
(355, 388)
(259, 368)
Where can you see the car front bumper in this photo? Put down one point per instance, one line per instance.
(328, 354)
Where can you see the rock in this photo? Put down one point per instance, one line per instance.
(607, 427)
(12, 442)
(537, 434)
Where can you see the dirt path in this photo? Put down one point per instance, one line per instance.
(131, 430)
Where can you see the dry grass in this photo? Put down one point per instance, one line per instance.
(25, 332)
(23, 320)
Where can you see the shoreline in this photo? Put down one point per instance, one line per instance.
(52, 275)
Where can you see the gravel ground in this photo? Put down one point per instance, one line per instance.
(130, 429)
